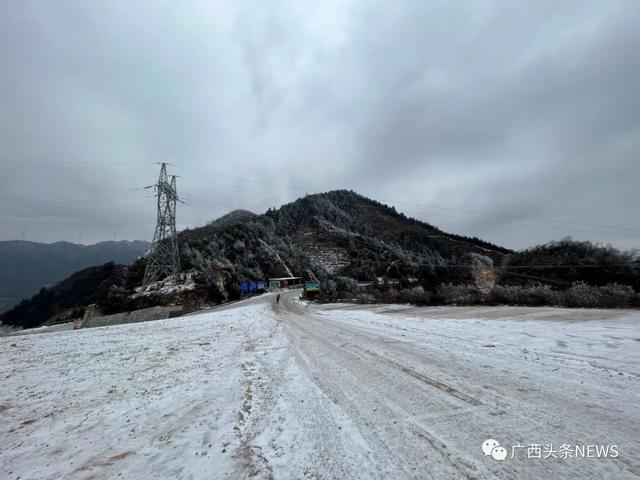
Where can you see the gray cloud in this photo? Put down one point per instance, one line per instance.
(484, 118)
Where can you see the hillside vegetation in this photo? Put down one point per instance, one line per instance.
(357, 247)
(568, 261)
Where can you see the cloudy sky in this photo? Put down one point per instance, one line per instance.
(517, 122)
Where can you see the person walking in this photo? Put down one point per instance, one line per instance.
(278, 299)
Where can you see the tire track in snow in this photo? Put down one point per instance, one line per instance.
(516, 394)
(444, 387)
(360, 385)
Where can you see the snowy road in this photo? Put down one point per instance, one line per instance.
(290, 390)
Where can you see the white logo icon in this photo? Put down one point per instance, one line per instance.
(499, 453)
(493, 448)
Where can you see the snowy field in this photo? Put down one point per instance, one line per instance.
(286, 391)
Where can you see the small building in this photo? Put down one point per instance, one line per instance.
(285, 282)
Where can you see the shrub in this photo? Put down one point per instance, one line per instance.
(581, 295)
(415, 295)
(534, 295)
(460, 294)
(607, 296)
(366, 298)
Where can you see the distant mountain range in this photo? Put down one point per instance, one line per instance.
(26, 267)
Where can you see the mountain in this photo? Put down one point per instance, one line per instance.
(324, 236)
(232, 218)
(342, 239)
(26, 267)
(339, 233)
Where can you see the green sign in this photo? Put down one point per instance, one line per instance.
(312, 286)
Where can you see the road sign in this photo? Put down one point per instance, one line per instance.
(312, 286)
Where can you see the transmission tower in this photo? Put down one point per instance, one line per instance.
(163, 258)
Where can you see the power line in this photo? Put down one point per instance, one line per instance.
(548, 227)
(205, 200)
(462, 210)
(477, 212)
(533, 277)
(89, 164)
(247, 179)
(306, 188)
(204, 207)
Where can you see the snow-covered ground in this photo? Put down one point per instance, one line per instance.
(290, 390)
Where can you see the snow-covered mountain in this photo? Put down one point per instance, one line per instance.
(339, 233)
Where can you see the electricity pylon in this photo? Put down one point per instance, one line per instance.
(163, 258)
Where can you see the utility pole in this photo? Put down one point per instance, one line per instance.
(163, 258)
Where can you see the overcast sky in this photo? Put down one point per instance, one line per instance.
(517, 122)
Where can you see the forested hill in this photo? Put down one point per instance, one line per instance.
(353, 213)
(335, 233)
(339, 233)
(342, 236)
